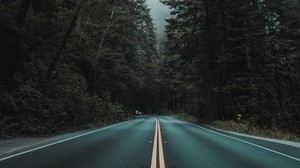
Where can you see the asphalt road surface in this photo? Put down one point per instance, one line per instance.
(154, 142)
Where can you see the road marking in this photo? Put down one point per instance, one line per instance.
(249, 143)
(61, 141)
(160, 148)
(157, 144)
(154, 150)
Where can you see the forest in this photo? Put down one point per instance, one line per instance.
(234, 60)
(78, 63)
(72, 63)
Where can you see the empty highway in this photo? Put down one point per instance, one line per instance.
(154, 142)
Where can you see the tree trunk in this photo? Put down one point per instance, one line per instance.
(105, 30)
(92, 83)
(175, 100)
(50, 15)
(64, 41)
(210, 61)
(198, 107)
(78, 24)
(21, 16)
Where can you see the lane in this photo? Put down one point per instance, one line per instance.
(190, 146)
(125, 145)
(156, 142)
(154, 149)
(282, 148)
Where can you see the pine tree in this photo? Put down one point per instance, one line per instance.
(286, 48)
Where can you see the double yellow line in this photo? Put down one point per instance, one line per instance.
(157, 148)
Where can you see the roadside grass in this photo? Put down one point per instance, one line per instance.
(252, 130)
(242, 128)
(92, 124)
(185, 117)
(106, 121)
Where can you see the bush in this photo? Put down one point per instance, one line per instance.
(27, 111)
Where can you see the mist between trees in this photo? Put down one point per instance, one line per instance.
(68, 63)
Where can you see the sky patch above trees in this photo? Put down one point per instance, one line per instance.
(159, 13)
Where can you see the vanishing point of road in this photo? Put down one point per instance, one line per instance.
(154, 142)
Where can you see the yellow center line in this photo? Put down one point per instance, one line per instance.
(157, 143)
(154, 150)
(161, 150)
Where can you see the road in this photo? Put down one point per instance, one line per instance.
(152, 142)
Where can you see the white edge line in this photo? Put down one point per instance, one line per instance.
(258, 146)
(57, 142)
(279, 141)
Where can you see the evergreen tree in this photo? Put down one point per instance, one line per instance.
(222, 45)
(86, 83)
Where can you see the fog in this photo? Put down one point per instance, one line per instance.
(159, 13)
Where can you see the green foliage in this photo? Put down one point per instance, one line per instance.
(229, 58)
(69, 90)
(25, 110)
(72, 63)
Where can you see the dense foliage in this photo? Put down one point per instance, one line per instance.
(66, 63)
(234, 60)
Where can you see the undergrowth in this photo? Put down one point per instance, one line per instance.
(242, 128)
(256, 131)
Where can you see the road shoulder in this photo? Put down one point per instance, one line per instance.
(284, 142)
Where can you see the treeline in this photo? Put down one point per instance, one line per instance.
(66, 63)
(234, 60)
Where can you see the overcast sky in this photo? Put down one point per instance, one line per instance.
(159, 13)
